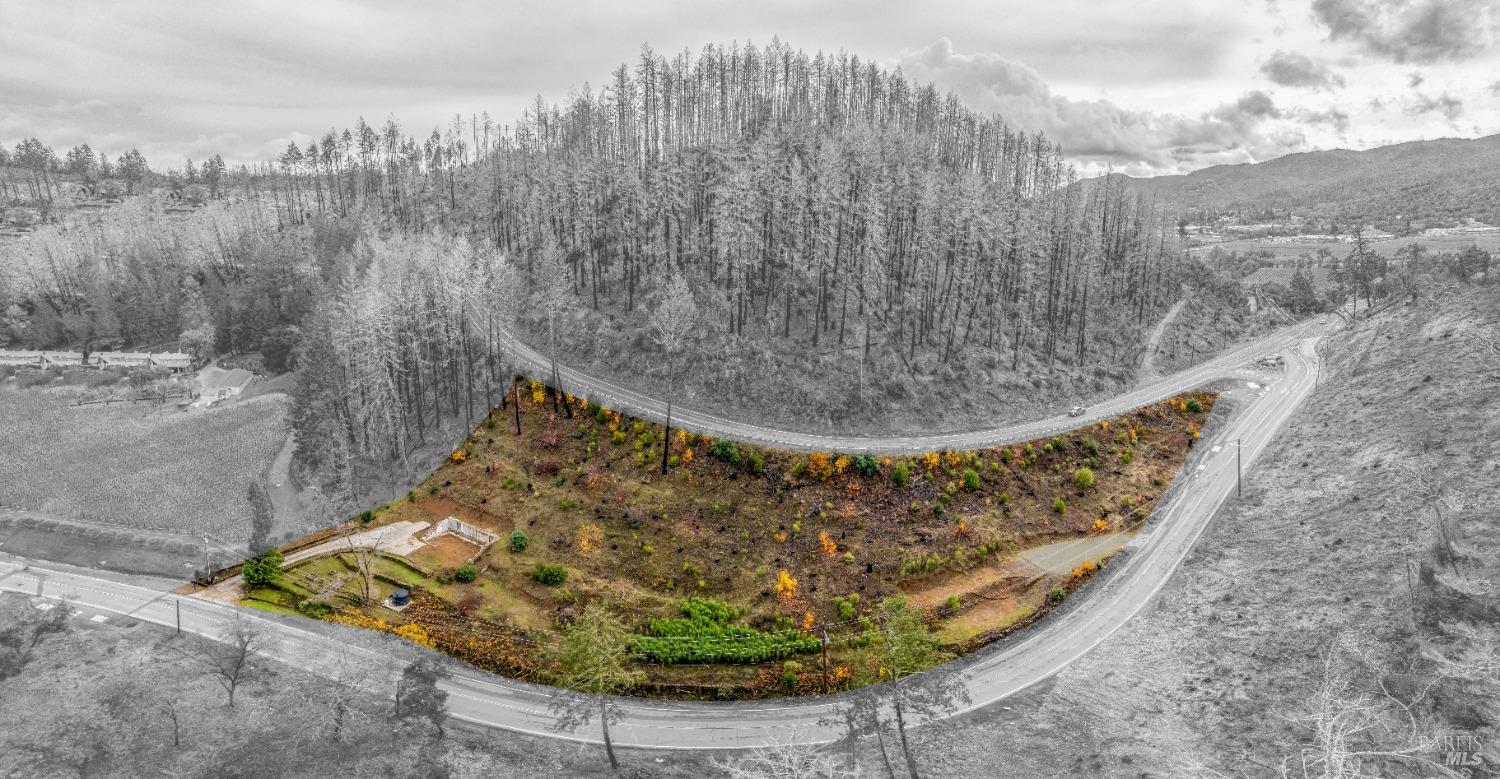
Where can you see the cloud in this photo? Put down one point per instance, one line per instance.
(1099, 133)
(1495, 88)
(1419, 31)
(1250, 107)
(1415, 80)
(1331, 116)
(1449, 106)
(1290, 69)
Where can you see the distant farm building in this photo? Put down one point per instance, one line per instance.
(31, 359)
(172, 361)
(122, 359)
(62, 359)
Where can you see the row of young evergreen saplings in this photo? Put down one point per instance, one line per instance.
(706, 633)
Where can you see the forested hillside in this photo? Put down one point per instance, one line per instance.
(1423, 184)
(803, 239)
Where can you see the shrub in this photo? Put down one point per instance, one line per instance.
(315, 609)
(799, 468)
(789, 671)
(366, 515)
(261, 569)
(971, 479)
(1083, 478)
(951, 605)
(845, 607)
(1003, 498)
(786, 586)
(901, 473)
(866, 465)
(466, 573)
(550, 574)
(1128, 456)
(756, 462)
(726, 451)
(1059, 505)
(618, 437)
(1193, 406)
(1057, 595)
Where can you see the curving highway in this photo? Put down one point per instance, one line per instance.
(1091, 616)
(622, 399)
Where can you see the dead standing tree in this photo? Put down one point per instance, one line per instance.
(365, 556)
(785, 759)
(1355, 724)
(418, 696)
(229, 660)
(1422, 483)
(672, 323)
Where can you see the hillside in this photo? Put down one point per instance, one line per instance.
(1330, 575)
(1434, 183)
(733, 529)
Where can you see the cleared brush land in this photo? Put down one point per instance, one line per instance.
(731, 565)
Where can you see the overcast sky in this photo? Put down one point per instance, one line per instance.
(1143, 86)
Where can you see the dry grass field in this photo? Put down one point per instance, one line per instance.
(136, 466)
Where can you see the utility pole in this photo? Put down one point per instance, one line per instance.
(666, 439)
(178, 603)
(825, 661)
(1238, 447)
(516, 383)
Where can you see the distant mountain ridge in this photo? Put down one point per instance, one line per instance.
(1425, 183)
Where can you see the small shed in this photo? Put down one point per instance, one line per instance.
(172, 361)
(62, 359)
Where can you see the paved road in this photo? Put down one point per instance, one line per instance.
(1101, 609)
(620, 398)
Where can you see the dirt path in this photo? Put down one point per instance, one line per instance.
(1064, 556)
(1153, 344)
(286, 501)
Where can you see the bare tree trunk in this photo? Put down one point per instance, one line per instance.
(609, 746)
(911, 762)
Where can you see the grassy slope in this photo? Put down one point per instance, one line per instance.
(711, 528)
(1313, 550)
